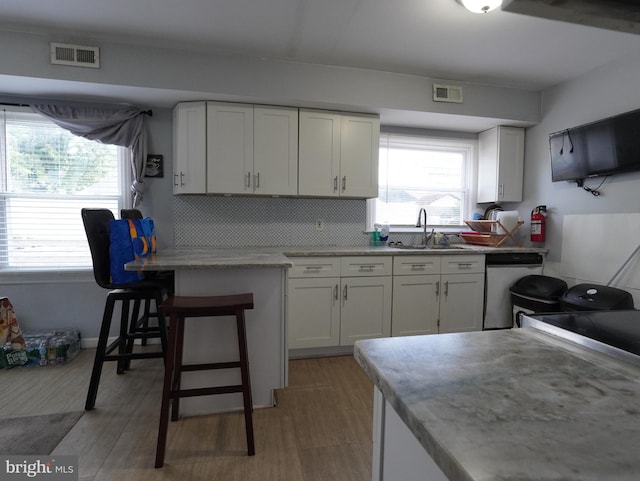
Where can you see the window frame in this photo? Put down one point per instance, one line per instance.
(56, 274)
(451, 140)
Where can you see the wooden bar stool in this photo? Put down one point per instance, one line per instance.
(179, 308)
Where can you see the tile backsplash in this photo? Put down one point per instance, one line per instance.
(267, 221)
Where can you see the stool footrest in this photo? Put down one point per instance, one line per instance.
(205, 391)
(115, 344)
(210, 366)
(134, 355)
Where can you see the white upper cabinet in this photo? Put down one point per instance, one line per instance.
(190, 148)
(319, 168)
(275, 150)
(359, 148)
(252, 149)
(229, 148)
(500, 164)
(338, 154)
(245, 149)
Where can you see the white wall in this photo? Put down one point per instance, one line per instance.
(606, 91)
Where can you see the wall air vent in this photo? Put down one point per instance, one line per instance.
(447, 93)
(76, 55)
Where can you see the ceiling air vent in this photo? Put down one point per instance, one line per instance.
(76, 55)
(447, 93)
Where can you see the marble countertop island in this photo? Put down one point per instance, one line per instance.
(511, 405)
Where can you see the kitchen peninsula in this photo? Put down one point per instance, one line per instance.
(518, 404)
(206, 272)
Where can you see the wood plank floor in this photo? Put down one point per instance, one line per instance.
(320, 429)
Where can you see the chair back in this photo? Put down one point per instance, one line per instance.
(96, 226)
(130, 214)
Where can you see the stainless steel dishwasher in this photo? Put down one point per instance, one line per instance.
(502, 271)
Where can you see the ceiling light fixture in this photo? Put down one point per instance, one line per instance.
(481, 6)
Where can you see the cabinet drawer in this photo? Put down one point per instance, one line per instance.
(459, 264)
(311, 267)
(412, 265)
(366, 266)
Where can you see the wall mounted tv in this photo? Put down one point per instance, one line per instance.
(605, 147)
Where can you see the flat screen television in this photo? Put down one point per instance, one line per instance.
(609, 146)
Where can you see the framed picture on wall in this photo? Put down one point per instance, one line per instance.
(153, 166)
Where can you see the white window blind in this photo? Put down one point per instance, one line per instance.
(423, 172)
(47, 176)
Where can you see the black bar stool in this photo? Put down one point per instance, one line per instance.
(179, 308)
(96, 224)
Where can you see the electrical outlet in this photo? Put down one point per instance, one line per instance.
(319, 224)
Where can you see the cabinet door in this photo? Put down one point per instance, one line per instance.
(511, 164)
(313, 312)
(500, 164)
(229, 148)
(359, 147)
(319, 155)
(366, 308)
(189, 148)
(415, 305)
(461, 302)
(275, 150)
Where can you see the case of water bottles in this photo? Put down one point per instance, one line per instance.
(45, 347)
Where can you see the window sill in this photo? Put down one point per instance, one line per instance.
(48, 276)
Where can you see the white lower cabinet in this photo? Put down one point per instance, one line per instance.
(314, 312)
(437, 294)
(313, 302)
(335, 301)
(366, 308)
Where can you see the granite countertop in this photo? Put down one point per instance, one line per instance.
(512, 405)
(269, 257)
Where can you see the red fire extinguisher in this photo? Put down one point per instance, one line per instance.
(538, 223)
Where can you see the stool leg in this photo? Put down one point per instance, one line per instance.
(123, 344)
(133, 322)
(246, 382)
(145, 317)
(162, 322)
(177, 370)
(100, 353)
(166, 390)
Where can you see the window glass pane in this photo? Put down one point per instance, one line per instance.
(43, 158)
(422, 173)
(49, 175)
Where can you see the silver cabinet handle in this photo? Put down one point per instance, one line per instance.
(464, 265)
(256, 182)
(366, 268)
(181, 178)
(175, 180)
(312, 269)
(437, 288)
(344, 292)
(446, 288)
(335, 292)
(335, 184)
(248, 179)
(344, 183)
(418, 267)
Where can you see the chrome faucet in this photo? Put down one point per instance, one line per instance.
(425, 238)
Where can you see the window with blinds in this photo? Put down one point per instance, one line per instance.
(422, 172)
(46, 176)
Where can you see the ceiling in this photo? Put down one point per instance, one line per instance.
(432, 38)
